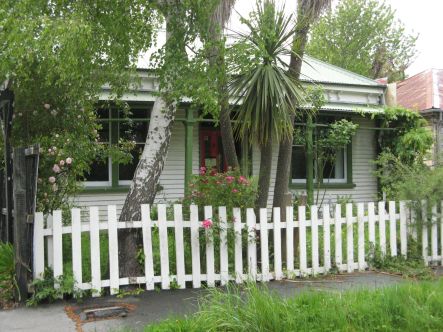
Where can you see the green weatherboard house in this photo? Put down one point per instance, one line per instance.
(196, 142)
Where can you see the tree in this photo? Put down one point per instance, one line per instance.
(307, 13)
(57, 55)
(218, 19)
(267, 94)
(365, 37)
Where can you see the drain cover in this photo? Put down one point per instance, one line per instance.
(103, 313)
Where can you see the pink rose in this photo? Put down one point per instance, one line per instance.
(207, 223)
(202, 170)
(234, 190)
(62, 162)
(230, 179)
(69, 161)
(56, 168)
(51, 179)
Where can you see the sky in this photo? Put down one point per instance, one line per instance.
(422, 17)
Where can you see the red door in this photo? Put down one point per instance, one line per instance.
(211, 152)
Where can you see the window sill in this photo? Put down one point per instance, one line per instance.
(324, 186)
(105, 189)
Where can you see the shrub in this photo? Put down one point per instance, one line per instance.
(228, 189)
(7, 273)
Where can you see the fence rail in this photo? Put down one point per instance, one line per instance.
(182, 253)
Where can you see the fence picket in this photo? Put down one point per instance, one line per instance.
(337, 233)
(179, 246)
(302, 240)
(76, 246)
(413, 224)
(382, 227)
(224, 259)
(147, 246)
(371, 226)
(290, 240)
(50, 243)
(424, 234)
(314, 233)
(403, 229)
(58, 244)
(349, 237)
(114, 278)
(95, 251)
(39, 247)
(210, 268)
(238, 246)
(434, 234)
(326, 237)
(361, 236)
(277, 245)
(392, 229)
(264, 244)
(164, 250)
(195, 247)
(252, 244)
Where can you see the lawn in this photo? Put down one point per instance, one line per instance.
(414, 306)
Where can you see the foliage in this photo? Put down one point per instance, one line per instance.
(411, 139)
(268, 93)
(228, 189)
(411, 267)
(45, 291)
(405, 307)
(7, 273)
(57, 56)
(364, 36)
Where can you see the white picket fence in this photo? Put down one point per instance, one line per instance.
(313, 255)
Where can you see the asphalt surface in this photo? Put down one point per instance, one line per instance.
(153, 306)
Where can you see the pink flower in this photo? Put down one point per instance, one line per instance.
(202, 170)
(62, 162)
(51, 179)
(69, 161)
(229, 179)
(218, 182)
(234, 190)
(56, 168)
(207, 223)
(243, 180)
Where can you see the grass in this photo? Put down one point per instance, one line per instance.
(406, 307)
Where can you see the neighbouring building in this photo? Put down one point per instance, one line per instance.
(196, 142)
(424, 93)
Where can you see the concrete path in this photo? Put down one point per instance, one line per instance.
(153, 306)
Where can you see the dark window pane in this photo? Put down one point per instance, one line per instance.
(134, 131)
(298, 162)
(126, 172)
(99, 171)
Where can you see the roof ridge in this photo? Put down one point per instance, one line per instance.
(345, 71)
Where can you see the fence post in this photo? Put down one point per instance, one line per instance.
(264, 253)
(147, 246)
(179, 247)
(382, 227)
(314, 234)
(326, 238)
(361, 236)
(403, 229)
(210, 268)
(252, 246)
(302, 235)
(238, 250)
(224, 264)
(349, 237)
(424, 234)
(337, 231)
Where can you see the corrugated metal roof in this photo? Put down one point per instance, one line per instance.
(422, 91)
(354, 108)
(319, 71)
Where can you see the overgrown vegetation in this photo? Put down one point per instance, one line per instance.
(45, 291)
(407, 307)
(7, 274)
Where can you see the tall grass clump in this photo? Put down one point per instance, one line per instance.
(406, 307)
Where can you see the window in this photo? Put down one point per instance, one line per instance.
(331, 167)
(117, 124)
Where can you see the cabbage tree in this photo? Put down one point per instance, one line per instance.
(267, 95)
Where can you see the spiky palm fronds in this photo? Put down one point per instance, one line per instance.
(267, 94)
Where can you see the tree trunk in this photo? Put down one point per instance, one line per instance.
(281, 189)
(219, 18)
(144, 184)
(264, 178)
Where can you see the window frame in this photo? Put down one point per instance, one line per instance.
(346, 183)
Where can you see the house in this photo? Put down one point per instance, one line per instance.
(424, 93)
(196, 142)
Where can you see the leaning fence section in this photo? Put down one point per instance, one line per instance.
(211, 246)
